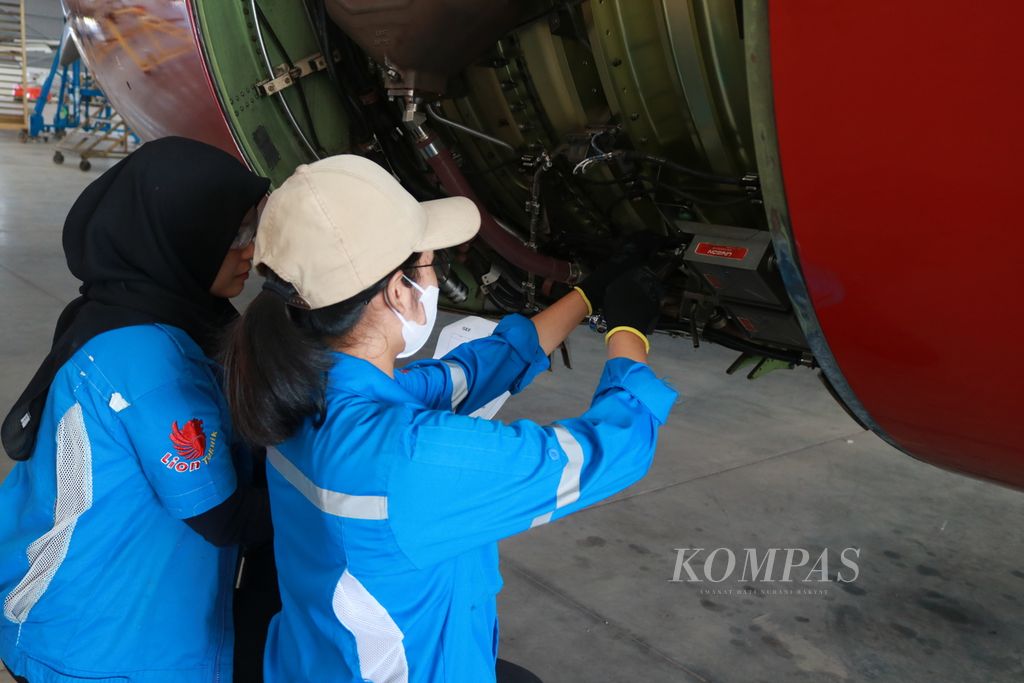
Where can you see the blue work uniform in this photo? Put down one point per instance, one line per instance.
(100, 578)
(388, 512)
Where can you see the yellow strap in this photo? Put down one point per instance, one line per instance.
(590, 308)
(624, 328)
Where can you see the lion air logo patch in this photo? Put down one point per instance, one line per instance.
(189, 441)
(190, 446)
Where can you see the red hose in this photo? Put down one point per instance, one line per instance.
(512, 249)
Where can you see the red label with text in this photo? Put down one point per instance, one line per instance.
(721, 251)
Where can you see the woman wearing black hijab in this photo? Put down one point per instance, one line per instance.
(123, 433)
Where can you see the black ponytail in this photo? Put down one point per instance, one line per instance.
(276, 357)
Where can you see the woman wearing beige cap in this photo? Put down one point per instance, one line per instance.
(388, 499)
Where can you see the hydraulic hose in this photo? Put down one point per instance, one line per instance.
(510, 247)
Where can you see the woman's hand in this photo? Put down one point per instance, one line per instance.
(631, 309)
(556, 322)
(636, 251)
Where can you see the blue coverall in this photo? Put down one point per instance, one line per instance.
(100, 578)
(388, 513)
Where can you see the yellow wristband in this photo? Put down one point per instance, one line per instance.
(590, 308)
(624, 328)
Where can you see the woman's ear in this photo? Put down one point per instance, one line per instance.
(397, 293)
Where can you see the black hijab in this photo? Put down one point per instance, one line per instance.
(146, 239)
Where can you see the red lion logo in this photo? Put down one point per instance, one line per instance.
(189, 441)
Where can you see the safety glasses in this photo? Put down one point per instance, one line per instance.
(246, 234)
(442, 264)
(247, 231)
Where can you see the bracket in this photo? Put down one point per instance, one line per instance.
(286, 75)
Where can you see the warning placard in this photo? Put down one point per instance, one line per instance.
(721, 251)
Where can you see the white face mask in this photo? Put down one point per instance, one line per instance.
(415, 334)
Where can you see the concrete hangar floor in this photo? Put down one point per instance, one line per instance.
(741, 466)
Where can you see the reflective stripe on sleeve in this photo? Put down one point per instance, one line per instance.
(569, 485)
(541, 520)
(460, 385)
(332, 502)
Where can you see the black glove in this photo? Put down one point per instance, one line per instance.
(633, 300)
(636, 251)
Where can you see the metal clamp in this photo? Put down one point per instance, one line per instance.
(489, 278)
(286, 74)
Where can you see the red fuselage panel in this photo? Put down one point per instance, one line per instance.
(899, 127)
(148, 61)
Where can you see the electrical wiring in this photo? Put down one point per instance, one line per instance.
(307, 113)
(318, 17)
(627, 155)
(658, 184)
(706, 202)
(684, 192)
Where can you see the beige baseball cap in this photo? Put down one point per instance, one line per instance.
(339, 225)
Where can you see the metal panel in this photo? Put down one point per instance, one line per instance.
(148, 62)
(906, 221)
(292, 127)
